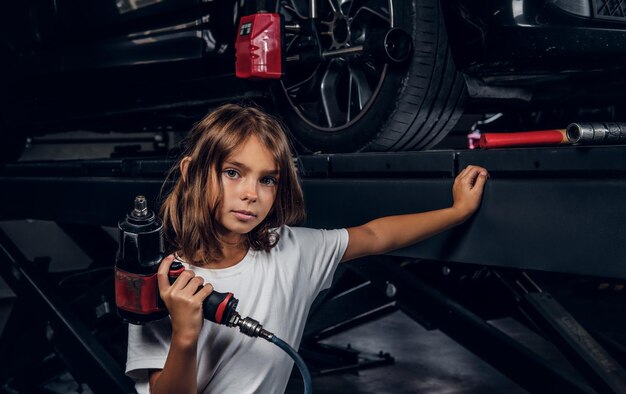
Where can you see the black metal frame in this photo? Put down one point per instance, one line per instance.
(549, 209)
(595, 363)
(537, 203)
(435, 309)
(84, 356)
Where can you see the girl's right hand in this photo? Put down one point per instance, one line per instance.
(468, 189)
(183, 300)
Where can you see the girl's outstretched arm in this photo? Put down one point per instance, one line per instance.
(394, 232)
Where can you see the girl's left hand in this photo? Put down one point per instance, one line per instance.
(467, 190)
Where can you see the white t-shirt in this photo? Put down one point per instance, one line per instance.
(275, 288)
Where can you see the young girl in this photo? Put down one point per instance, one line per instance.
(228, 219)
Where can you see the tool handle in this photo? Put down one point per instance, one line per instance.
(217, 307)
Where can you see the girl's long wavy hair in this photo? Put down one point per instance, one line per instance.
(190, 210)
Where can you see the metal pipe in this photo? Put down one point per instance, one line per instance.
(596, 133)
(293, 28)
(350, 51)
(313, 9)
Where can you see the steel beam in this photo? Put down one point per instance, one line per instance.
(550, 209)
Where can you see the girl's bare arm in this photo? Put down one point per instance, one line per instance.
(394, 232)
(185, 307)
(179, 373)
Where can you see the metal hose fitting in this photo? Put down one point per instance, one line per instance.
(249, 327)
(596, 133)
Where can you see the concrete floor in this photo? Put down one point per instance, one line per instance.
(426, 362)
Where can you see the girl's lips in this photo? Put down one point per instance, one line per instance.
(244, 215)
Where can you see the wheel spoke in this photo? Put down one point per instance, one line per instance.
(354, 7)
(328, 90)
(360, 90)
(372, 9)
(345, 7)
(372, 69)
(305, 90)
(292, 8)
(334, 5)
(291, 42)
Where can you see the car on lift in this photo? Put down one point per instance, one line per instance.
(161, 64)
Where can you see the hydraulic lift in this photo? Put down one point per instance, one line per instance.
(545, 210)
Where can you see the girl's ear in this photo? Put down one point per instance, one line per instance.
(184, 165)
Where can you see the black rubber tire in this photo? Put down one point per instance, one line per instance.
(419, 102)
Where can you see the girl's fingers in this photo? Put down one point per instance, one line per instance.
(470, 177)
(481, 180)
(163, 271)
(467, 172)
(182, 281)
(471, 173)
(464, 172)
(192, 286)
(204, 291)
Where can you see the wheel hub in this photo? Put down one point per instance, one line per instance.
(339, 31)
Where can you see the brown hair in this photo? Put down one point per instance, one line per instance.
(189, 211)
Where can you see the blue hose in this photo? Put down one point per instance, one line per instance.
(304, 371)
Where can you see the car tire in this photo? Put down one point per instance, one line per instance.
(412, 106)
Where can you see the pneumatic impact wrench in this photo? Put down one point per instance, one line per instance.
(136, 288)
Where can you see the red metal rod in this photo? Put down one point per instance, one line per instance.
(525, 138)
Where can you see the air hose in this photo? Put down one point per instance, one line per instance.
(253, 328)
(304, 371)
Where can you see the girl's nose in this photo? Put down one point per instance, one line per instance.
(249, 191)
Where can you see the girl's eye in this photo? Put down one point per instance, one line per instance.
(231, 173)
(269, 181)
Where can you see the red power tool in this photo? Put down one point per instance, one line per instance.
(137, 292)
(136, 288)
(139, 254)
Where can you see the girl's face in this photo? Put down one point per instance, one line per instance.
(250, 180)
